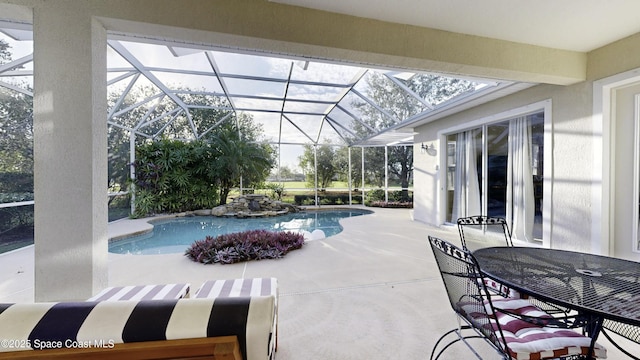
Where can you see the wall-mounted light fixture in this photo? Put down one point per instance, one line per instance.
(428, 149)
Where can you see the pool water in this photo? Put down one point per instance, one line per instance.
(177, 234)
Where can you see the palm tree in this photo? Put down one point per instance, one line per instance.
(237, 157)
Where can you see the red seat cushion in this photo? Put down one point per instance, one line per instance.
(527, 340)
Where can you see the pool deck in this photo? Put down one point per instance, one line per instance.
(370, 292)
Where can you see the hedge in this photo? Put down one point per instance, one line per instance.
(340, 199)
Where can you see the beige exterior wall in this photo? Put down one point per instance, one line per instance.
(282, 29)
(571, 157)
(577, 157)
(615, 58)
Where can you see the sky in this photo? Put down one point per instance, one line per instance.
(197, 74)
(241, 64)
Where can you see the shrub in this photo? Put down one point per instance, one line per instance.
(391, 204)
(174, 176)
(375, 195)
(16, 182)
(244, 246)
(327, 199)
(397, 199)
(277, 190)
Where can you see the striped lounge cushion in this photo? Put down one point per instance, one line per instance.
(238, 287)
(40, 325)
(526, 340)
(253, 287)
(142, 292)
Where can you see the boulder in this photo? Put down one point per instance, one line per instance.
(219, 210)
(253, 205)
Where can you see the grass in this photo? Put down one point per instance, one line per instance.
(334, 185)
(292, 188)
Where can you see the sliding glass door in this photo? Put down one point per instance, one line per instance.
(497, 170)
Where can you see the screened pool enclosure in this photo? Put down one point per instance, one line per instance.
(303, 108)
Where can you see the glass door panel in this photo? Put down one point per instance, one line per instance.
(496, 169)
(537, 168)
(451, 174)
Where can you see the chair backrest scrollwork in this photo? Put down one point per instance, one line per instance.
(488, 226)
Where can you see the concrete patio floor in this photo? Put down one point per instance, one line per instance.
(371, 292)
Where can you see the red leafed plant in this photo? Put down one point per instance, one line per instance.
(244, 246)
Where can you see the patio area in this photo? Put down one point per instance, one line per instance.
(370, 292)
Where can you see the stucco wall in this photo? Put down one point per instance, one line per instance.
(274, 28)
(577, 159)
(615, 58)
(571, 149)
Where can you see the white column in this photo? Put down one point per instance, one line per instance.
(386, 173)
(349, 176)
(70, 149)
(132, 170)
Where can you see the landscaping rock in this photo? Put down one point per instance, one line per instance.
(253, 205)
(219, 211)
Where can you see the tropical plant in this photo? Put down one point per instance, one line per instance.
(173, 176)
(236, 158)
(140, 111)
(244, 246)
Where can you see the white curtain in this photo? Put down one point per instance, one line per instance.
(466, 191)
(520, 199)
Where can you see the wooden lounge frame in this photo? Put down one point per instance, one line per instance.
(214, 348)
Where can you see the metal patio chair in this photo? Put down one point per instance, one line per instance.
(515, 328)
(488, 230)
(491, 231)
(494, 231)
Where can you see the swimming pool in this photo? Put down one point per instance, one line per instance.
(175, 235)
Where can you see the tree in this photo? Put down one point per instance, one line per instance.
(16, 132)
(400, 105)
(326, 169)
(119, 135)
(236, 157)
(240, 154)
(204, 118)
(284, 174)
(234, 138)
(341, 162)
(5, 54)
(16, 126)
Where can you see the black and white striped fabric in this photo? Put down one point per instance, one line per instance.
(238, 287)
(42, 325)
(143, 292)
(251, 287)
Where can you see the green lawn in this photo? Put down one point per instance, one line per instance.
(303, 184)
(334, 185)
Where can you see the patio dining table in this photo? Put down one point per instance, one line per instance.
(596, 287)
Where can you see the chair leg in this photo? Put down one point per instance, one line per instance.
(458, 332)
(438, 343)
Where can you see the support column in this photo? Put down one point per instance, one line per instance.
(70, 150)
